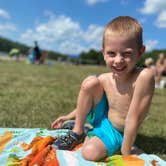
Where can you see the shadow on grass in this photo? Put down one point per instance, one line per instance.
(151, 144)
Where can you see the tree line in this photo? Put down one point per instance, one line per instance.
(6, 45)
(92, 57)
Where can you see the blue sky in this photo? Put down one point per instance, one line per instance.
(73, 26)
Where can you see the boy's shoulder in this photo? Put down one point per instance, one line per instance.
(145, 74)
(145, 79)
(103, 77)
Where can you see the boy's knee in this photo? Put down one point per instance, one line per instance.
(90, 153)
(90, 83)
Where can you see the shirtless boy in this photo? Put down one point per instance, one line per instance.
(115, 103)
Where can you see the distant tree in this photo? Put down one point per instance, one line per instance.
(6, 45)
(92, 57)
(55, 56)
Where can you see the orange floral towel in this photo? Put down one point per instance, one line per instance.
(15, 151)
(42, 153)
(5, 139)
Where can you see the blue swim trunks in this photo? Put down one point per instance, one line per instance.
(102, 127)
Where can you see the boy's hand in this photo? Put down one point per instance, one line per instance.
(57, 124)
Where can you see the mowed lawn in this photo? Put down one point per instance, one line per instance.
(32, 96)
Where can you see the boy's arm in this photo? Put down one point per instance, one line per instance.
(71, 115)
(139, 106)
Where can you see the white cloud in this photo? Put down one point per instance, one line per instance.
(93, 36)
(4, 14)
(93, 32)
(156, 7)
(71, 48)
(64, 35)
(161, 20)
(7, 27)
(93, 2)
(153, 6)
(151, 44)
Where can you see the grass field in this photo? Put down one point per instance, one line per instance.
(32, 96)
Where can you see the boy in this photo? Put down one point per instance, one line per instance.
(116, 102)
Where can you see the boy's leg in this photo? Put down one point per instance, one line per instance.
(94, 149)
(105, 141)
(90, 93)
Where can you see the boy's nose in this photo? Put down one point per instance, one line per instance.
(119, 59)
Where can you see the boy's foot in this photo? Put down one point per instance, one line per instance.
(70, 125)
(135, 150)
(69, 141)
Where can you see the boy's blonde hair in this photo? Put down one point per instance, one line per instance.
(125, 26)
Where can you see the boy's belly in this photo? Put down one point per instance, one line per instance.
(117, 120)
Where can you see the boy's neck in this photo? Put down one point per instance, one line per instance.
(125, 79)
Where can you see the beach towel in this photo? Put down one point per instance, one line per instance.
(31, 147)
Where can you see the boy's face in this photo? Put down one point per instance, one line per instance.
(121, 54)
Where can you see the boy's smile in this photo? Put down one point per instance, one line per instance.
(121, 54)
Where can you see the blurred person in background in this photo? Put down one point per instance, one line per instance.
(160, 70)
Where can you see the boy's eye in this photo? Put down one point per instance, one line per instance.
(111, 53)
(127, 54)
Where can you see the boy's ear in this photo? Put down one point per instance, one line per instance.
(142, 50)
(102, 51)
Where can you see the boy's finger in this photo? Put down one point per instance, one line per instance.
(53, 125)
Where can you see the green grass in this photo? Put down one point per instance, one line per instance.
(35, 95)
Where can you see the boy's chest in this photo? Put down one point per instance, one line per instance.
(119, 99)
(118, 102)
